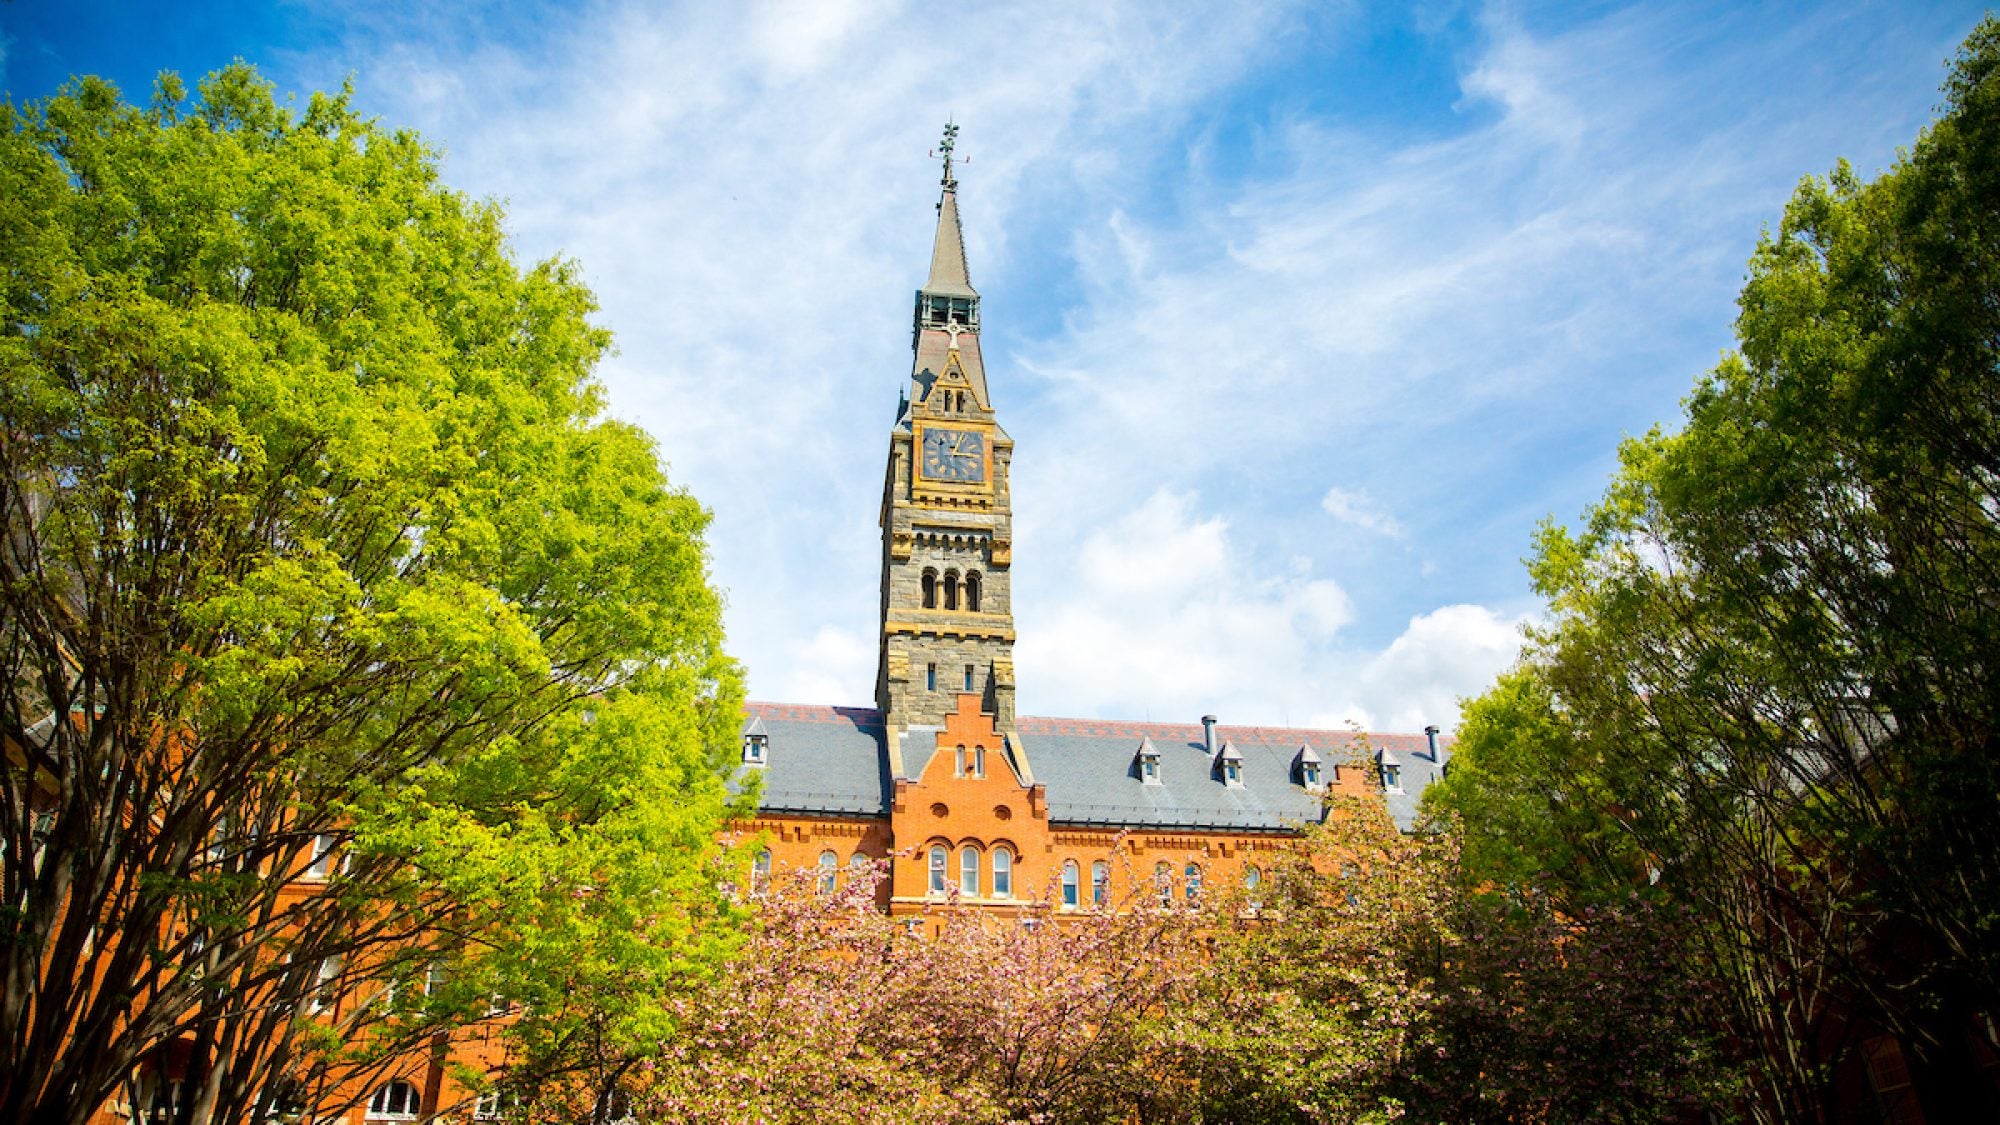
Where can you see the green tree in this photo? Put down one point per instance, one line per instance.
(358, 667)
(1771, 660)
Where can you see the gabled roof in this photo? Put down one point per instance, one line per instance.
(830, 761)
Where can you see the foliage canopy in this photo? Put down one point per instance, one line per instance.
(1769, 684)
(346, 642)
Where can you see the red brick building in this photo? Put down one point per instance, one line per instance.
(972, 805)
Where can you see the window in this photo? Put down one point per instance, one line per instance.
(1163, 880)
(951, 589)
(1003, 873)
(968, 677)
(1392, 777)
(962, 765)
(1100, 883)
(1069, 883)
(322, 858)
(972, 591)
(937, 869)
(324, 979)
(160, 1100)
(1148, 759)
(1228, 765)
(1194, 884)
(979, 761)
(828, 867)
(1310, 772)
(968, 871)
(396, 1101)
(760, 872)
(1252, 880)
(930, 589)
(487, 1108)
(433, 978)
(753, 749)
(930, 677)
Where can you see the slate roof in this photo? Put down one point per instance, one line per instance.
(825, 760)
(948, 275)
(830, 761)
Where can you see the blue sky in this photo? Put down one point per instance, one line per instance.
(1301, 315)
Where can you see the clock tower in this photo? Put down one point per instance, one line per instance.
(947, 529)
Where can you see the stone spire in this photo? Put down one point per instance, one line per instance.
(947, 522)
(947, 318)
(948, 277)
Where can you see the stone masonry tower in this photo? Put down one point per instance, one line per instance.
(947, 530)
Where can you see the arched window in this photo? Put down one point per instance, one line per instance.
(972, 591)
(760, 872)
(979, 761)
(968, 871)
(1193, 884)
(930, 589)
(951, 589)
(1163, 879)
(938, 856)
(1003, 873)
(1252, 880)
(1069, 881)
(829, 866)
(397, 1101)
(962, 764)
(1100, 883)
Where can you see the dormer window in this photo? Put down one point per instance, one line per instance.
(1147, 760)
(1392, 771)
(1229, 765)
(756, 743)
(1306, 767)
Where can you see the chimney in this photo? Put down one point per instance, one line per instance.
(1431, 733)
(1208, 733)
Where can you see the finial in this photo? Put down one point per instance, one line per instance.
(944, 150)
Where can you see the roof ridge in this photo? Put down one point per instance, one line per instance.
(1142, 727)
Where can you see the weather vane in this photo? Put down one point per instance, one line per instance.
(943, 150)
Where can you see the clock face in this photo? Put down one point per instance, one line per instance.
(958, 455)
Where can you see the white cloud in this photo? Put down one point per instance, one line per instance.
(1355, 507)
(1163, 615)
(1445, 656)
(825, 668)
(1219, 274)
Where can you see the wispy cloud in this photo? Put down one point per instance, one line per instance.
(1219, 274)
(1355, 507)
